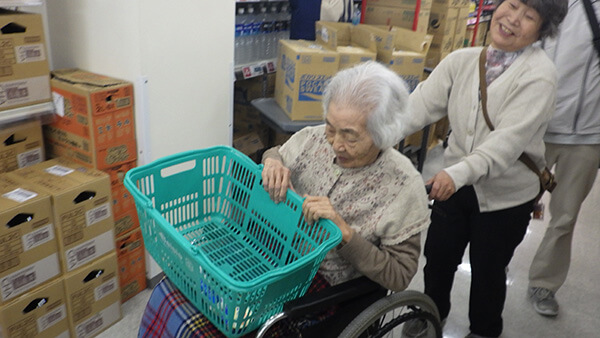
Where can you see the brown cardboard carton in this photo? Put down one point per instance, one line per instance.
(93, 296)
(397, 16)
(351, 55)
(24, 71)
(95, 119)
(81, 203)
(333, 34)
(39, 313)
(28, 247)
(402, 50)
(132, 266)
(337, 36)
(21, 145)
(442, 21)
(303, 70)
(425, 4)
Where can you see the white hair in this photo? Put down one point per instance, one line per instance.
(372, 89)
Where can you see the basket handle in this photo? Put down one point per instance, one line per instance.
(178, 168)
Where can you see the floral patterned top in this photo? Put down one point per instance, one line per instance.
(384, 202)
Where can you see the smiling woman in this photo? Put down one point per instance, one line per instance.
(484, 194)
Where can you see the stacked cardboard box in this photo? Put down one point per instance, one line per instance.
(24, 71)
(400, 13)
(400, 49)
(95, 127)
(61, 243)
(337, 36)
(303, 69)
(22, 145)
(448, 25)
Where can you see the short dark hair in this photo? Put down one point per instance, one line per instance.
(552, 13)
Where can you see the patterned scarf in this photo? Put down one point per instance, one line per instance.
(497, 62)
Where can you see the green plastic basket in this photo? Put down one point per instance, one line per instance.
(211, 226)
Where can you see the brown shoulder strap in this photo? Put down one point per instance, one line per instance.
(483, 93)
(483, 88)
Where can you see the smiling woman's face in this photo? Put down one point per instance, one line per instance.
(514, 26)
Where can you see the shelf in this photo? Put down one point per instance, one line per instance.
(41, 110)
(255, 69)
(275, 117)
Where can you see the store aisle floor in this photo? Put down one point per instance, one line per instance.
(579, 298)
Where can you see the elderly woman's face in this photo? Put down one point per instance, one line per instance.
(514, 26)
(346, 131)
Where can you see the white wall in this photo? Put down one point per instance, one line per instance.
(178, 54)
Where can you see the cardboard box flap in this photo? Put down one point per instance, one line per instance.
(333, 34)
(84, 78)
(408, 40)
(383, 37)
(305, 46)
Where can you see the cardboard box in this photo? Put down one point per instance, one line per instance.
(425, 4)
(331, 35)
(434, 57)
(337, 36)
(460, 33)
(249, 143)
(126, 222)
(303, 70)
(442, 43)
(132, 265)
(93, 297)
(246, 118)
(451, 3)
(81, 203)
(397, 16)
(95, 123)
(40, 313)
(28, 246)
(402, 50)
(24, 71)
(350, 56)
(442, 21)
(123, 205)
(22, 145)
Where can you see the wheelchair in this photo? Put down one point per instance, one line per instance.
(364, 309)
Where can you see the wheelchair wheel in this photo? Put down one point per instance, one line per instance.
(389, 317)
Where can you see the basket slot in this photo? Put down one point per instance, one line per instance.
(177, 169)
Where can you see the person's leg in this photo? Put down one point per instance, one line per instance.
(575, 171)
(494, 237)
(445, 245)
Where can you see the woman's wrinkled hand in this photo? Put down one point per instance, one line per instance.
(442, 186)
(276, 179)
(316, 207)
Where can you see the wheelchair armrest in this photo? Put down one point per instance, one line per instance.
(317, 301)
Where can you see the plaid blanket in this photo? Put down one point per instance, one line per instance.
(169, 313)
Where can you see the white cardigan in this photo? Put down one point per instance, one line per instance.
(520, 104)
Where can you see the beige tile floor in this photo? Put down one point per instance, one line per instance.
(579, 298)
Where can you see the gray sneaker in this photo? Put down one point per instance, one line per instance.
(543, 301)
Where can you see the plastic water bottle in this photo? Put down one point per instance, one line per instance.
(263, 32)
(247, 36)
(356, 15)
(256, 23)
(284, 17)
(272, 41)
(239, 31)
(251, 24)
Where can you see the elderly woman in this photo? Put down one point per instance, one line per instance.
(485, 195)
(351, 174)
